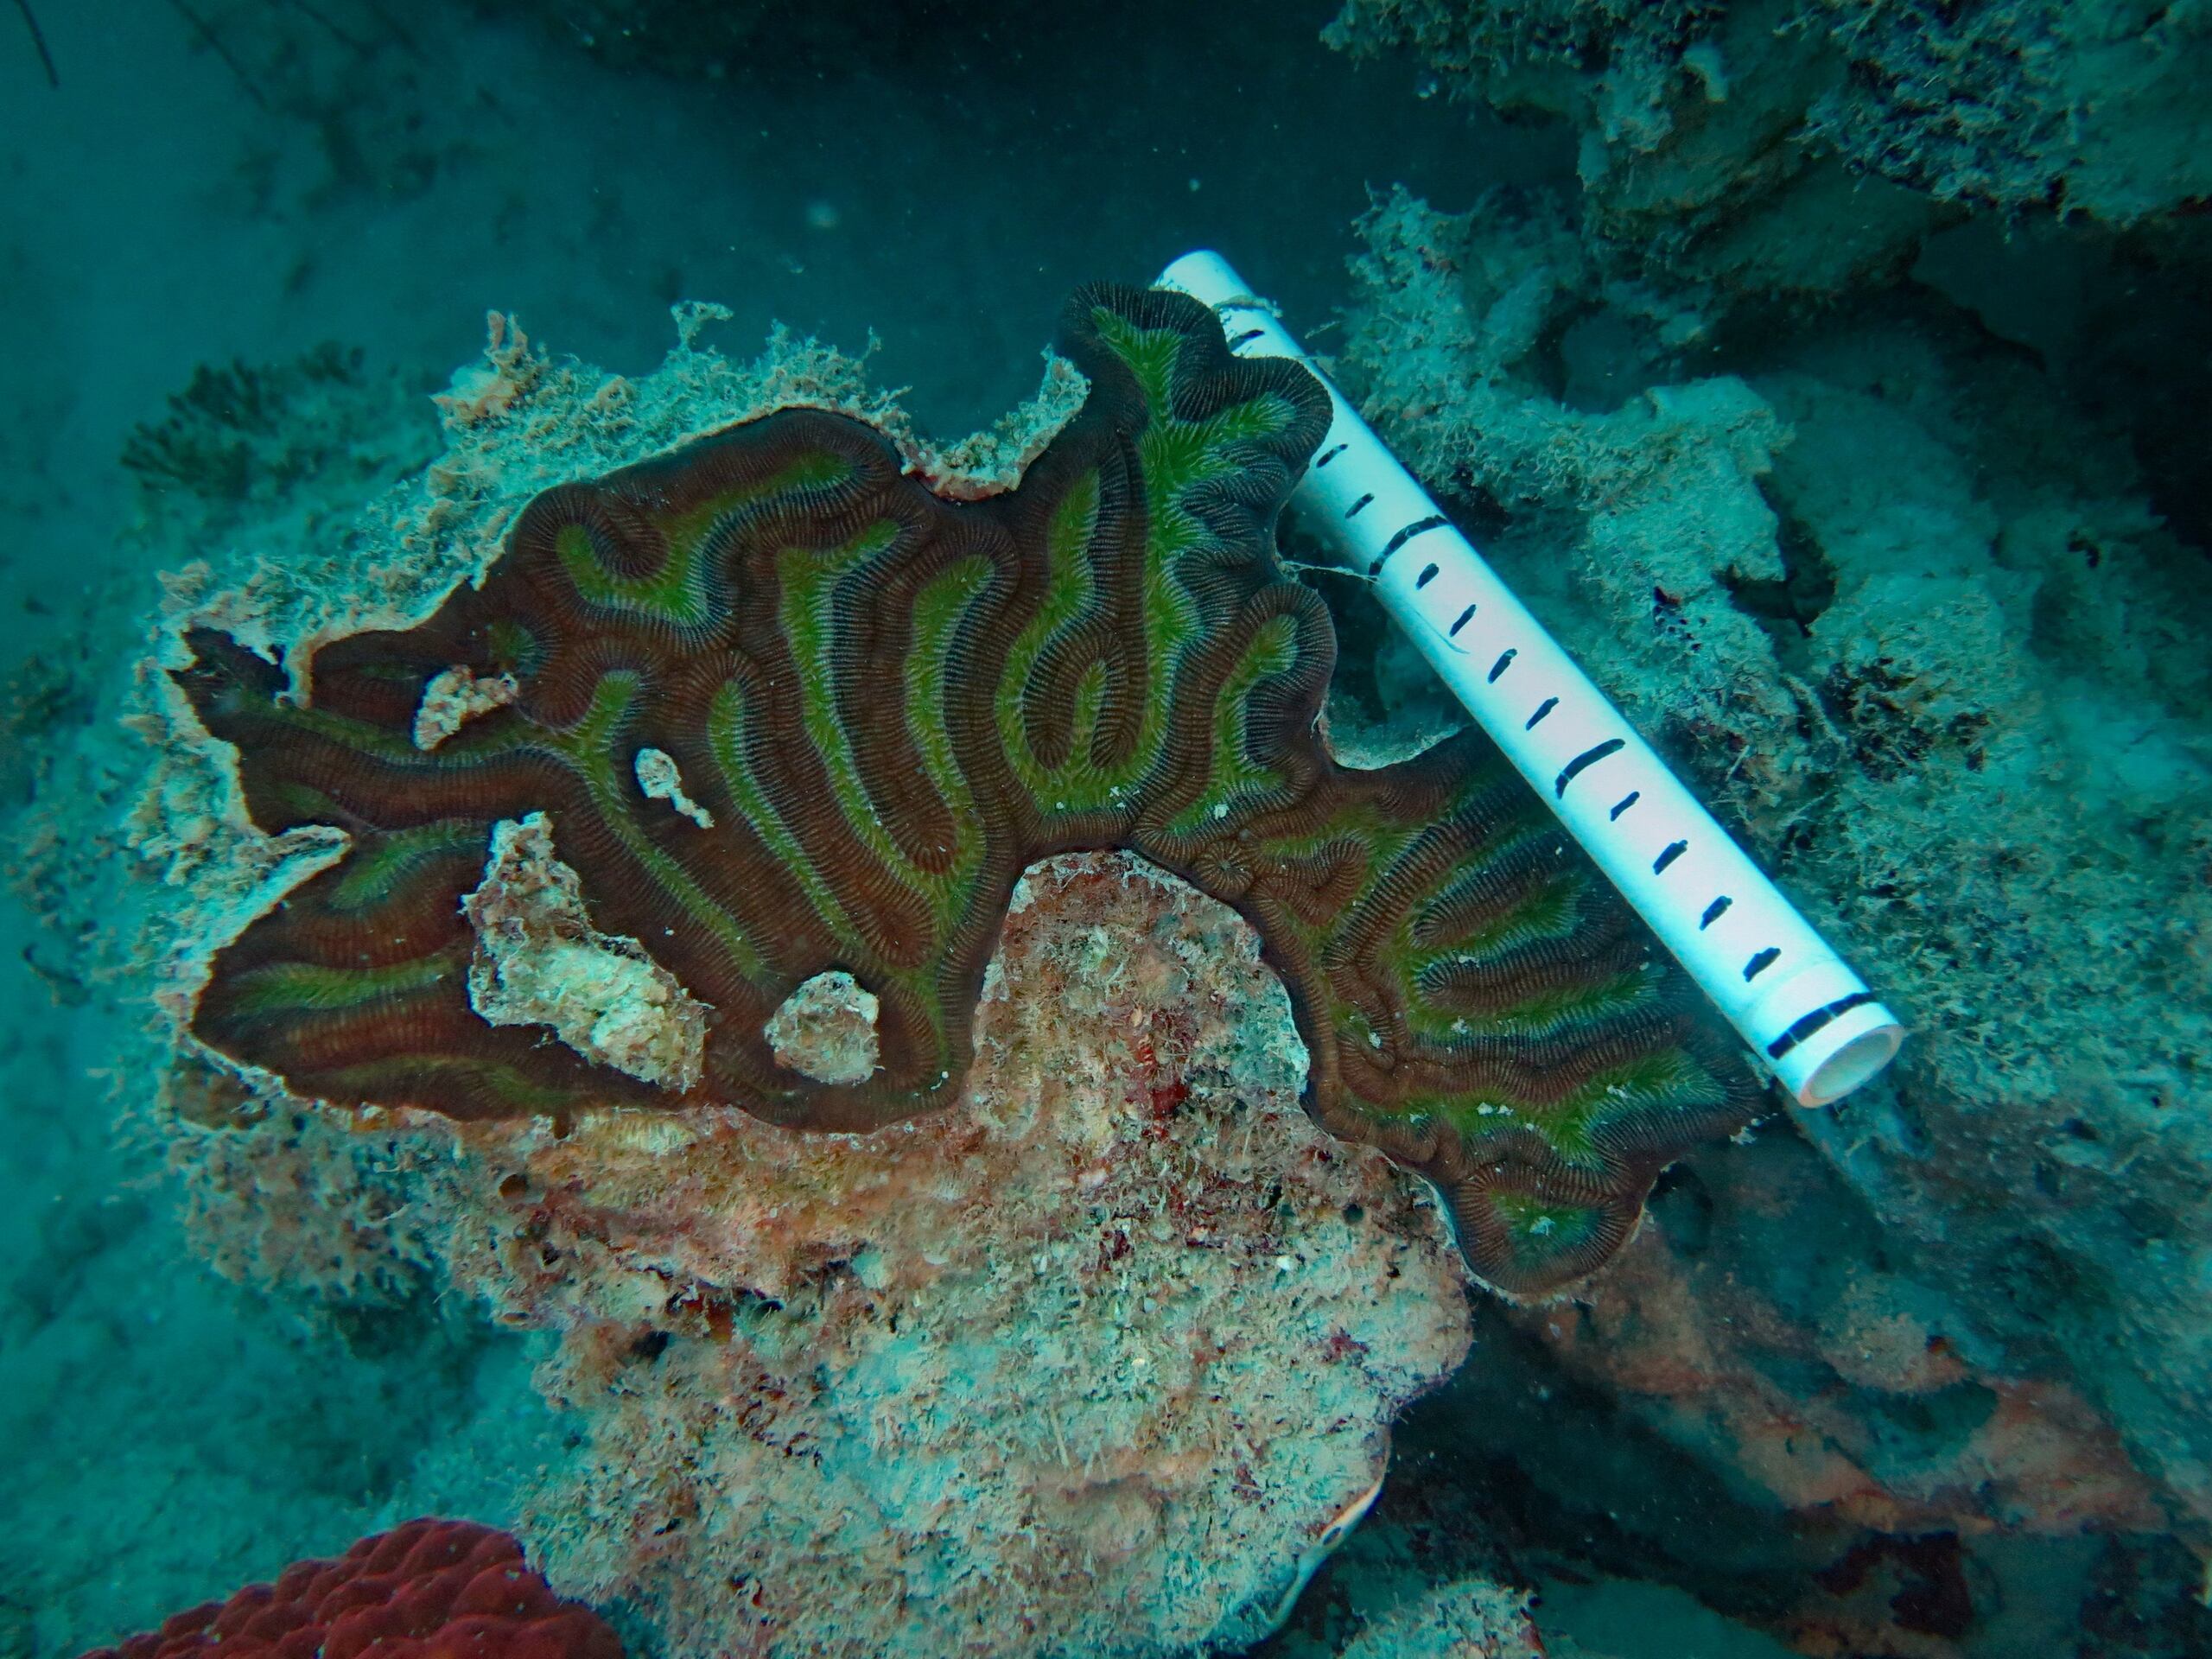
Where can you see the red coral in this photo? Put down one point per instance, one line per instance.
(427, 1590)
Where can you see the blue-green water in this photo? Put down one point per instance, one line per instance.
(1875, 497)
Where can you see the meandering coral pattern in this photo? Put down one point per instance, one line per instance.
(786, 712)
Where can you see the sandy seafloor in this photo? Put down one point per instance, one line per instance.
(378, 175)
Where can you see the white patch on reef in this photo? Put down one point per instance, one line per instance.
(455, 696)
(539, 962)
(661, 781)
(1705, 62)
(826, 1029)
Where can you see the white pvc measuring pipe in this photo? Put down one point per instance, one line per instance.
(1808, 1018)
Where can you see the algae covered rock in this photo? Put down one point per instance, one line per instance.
(1912, 623)
(1092, 1362)
(929, 1250)
(1766, 145)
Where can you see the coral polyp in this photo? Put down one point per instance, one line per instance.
(767, 708)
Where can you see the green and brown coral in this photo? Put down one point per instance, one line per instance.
(786, 712)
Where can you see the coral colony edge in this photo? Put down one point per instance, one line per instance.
(426, 1590)
(765, 722)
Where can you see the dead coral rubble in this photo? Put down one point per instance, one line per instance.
(1753, 1406)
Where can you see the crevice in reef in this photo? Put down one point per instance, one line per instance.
(1787, 605)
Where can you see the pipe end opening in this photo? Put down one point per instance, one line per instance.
(1851, 1065)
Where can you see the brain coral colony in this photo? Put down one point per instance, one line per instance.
(727, 909)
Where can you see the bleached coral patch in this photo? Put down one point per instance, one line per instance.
(826, 1029)
(539, 962)
(660, 780)
(454, 697)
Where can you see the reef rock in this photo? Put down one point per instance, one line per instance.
(1910, 621)
(1093, 1364)
(1766, 145)
(1101, 1360)
(911, 1290)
